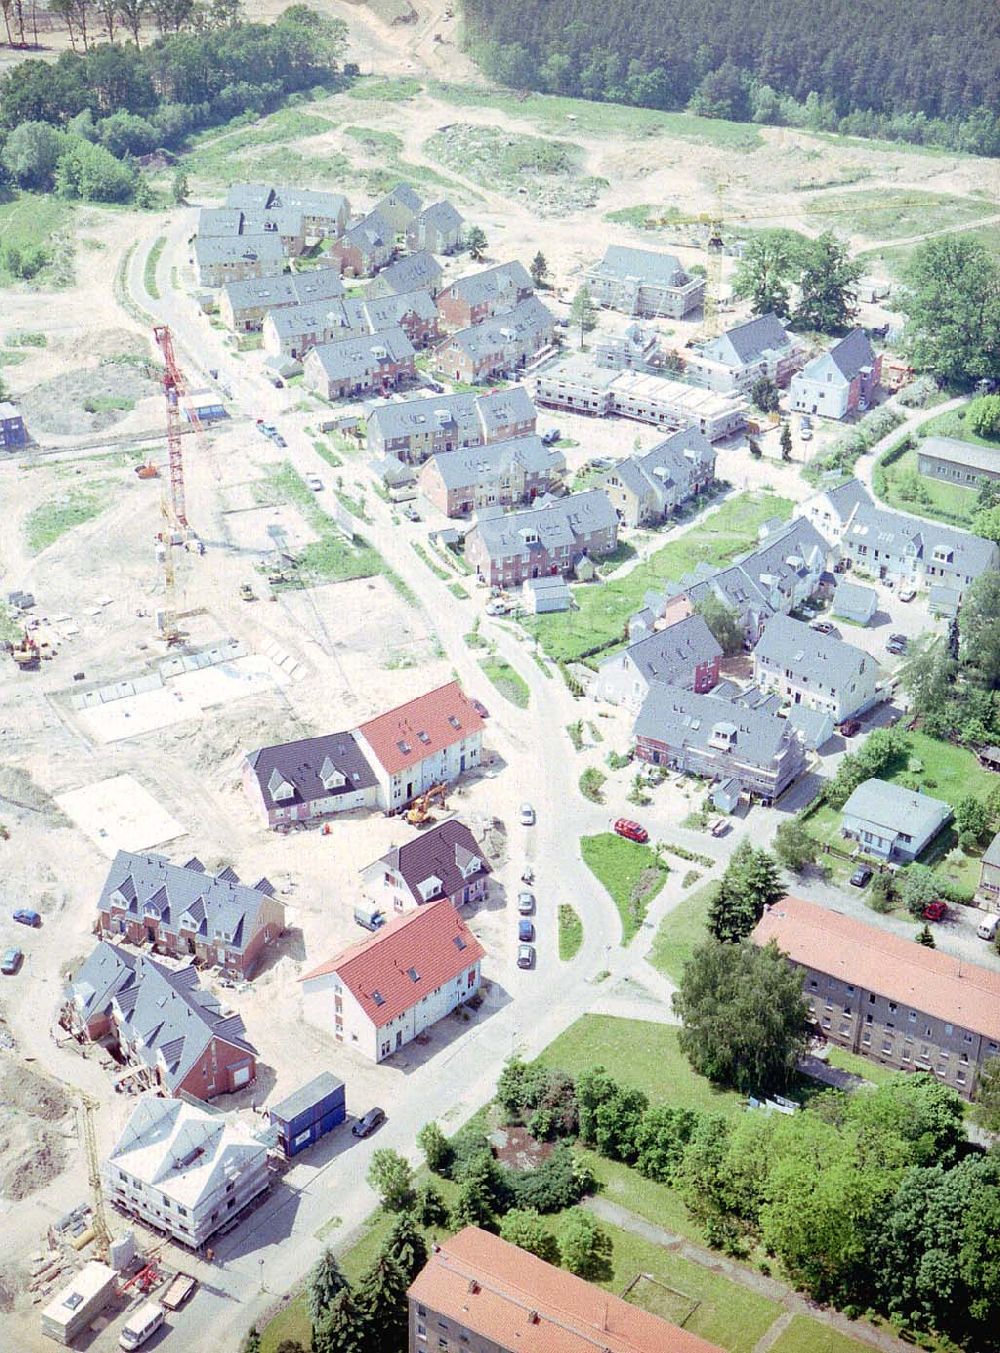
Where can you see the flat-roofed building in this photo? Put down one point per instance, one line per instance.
(958, 462)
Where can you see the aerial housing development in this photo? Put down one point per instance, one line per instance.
(500, 678)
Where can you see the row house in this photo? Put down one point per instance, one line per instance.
(413, 429)
(684, 654)
(438, 228)
(365, 247)
(643, 282)
(887, 998)
(324, 214)
(184, 1172)
(498, 346)
(505, 473)
(183, 911)
(380, 994)
(749, 754)
(233, 258)
(480, 295)
(416, 272)
(645, 489)
(309, 779)
(160, 1022)
(231, 223)
(816, 670)
(552, 537)
(443, 861)
(243, 305)
(840, 382)
(359, 365)
(758, 349)
(292, 330)
(399, 208)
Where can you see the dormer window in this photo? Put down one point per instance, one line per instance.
(279, 788)
(429, 887)
(424, 738)
(454, 721)
(473, 867)
(404, 747)
(330, 776)
(378, 998)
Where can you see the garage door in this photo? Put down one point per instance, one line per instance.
(241, 1077)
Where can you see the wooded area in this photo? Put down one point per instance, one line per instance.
(924, 72)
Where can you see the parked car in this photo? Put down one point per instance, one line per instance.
(987, 928)
(805, 421)
(314, 482)
(367, 1123)
(720, 827)
(279, 440)
(27, 917)
(525, 956)
(142, 1325)
(496, 608)
(936, 911)
(525, 932)
(550, 436)
(850, 728)
(277, 382)
(411, 513)
(525, 902)
(821, 626)
(896, 649)
(11, 961)
(527, 815)
(631, 830)
(806, 434)
(861, 877)
(435, 386)
(907, 594)
(898, 639)
(480, 708)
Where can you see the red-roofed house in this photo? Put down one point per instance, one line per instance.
(489, 1296)
(381, 993)
(430, 740)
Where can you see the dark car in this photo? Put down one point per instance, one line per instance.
(935, 911)
(850, 728)
(11, 961)
(631, 830)
(525, 956)
(525, 932)
(861, 877)
(480, 708)
(27, 917)
(366, 1125)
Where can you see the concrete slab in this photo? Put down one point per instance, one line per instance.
(119, 814)
(250, 529)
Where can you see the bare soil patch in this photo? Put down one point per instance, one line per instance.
(32, 1148)
(86, 400)
(515, 1146)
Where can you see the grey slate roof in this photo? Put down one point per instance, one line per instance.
(747, 343)
(559, 522)
(897, 809)
(166, 1008)
(442, 216)
(810, 723)
(852, 353)
(375, 314)
(819, 659)
(786, 552)
(477, 464)
(301, 764)
(404, 196)
(966, 454)
(851, 597)
(893, 533)
(471, 415)
(220, 904)
(289, 321)
(310, 201)
(250, 196)
(491, 283)
(305, 288)
(668, 655)
(232, 248)
(846, 497)
(645, 264)
(417, 272)
(991, 855)
(371, 231)
(528, 320)
(219, 221)
(360, 355)
(670, 462)
(685, 719)
(305, 1097)
(441, 851)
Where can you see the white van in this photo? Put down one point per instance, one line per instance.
(987, 929)
(146, 1321)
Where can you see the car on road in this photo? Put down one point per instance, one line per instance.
(861, 877)
(314, 482)
(898, 639)
(11, 961)
(894, 647)
(27, 917)
(525, 955)
(525, 932)
(935, 911)
(525, 902)
(480, 708)
(907, 594)
(631, 830)
(279, 440)
(527, 815)
(435, 386)
(806, 434)
(411, 513)
(850, 728)
(368, 1122)
(821, 626)
(550, 436)
(720, 827)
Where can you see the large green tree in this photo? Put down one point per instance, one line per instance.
(952, 304)
(794, 846)
(524, 1227)
(723, 622)
(979, 628)
(828, 287)
(763, 275)
(582, 312)
(743, 1015)
(749, 884)
(325, 1281)
(381, 1296)
(928, 673)
(405, 1244)
(585, 1247)
(391, 1176)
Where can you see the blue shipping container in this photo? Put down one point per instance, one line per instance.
(309, 1113)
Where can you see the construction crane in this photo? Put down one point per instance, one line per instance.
(88, 1134)
(173, 505)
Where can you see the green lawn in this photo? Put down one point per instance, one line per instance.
(511, 685)
(603, 608)
(332, 558)
(641, 1054)
(804, 1335)
(149, 271)
(860, 1066)
(29, 219)
(630, 872)
(570, 932)
(46, 523)
(935, 498)
(951, 423)
(658, 1203)
(681, 931)
(886, 215)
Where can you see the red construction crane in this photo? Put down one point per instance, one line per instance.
(173, 388)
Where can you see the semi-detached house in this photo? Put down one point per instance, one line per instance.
(518, 471)
(499, 345)
(818, 671)
(233, 258)
(413, 429)
(308, 779)
(838, 382)
(443, 861)
(291, 331)
(380, 994)
(685, 654)
(554, 536)
(758, 349)
(417, 272)
(646, 488)
(358, 365)
(243, 305)
(478, 296)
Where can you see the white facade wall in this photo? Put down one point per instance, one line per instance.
(396, 791)
(820, 389)
(859, 694)
(190, 1225)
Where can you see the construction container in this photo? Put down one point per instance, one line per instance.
(79, 1302)
(309, 1113)
(122, 1251)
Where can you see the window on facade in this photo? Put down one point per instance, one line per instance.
(886, 1046)
(892, 1007)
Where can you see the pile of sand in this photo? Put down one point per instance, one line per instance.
(38, 1098)
(18, 788)
(32, 1150)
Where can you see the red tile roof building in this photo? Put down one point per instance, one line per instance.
(886, 997)
(430, 740)
(379, 994)
(480, 1294)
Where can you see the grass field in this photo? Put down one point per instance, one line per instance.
(149, 271)
(332, 558)
(859, 1066)
(29, 219)
(630, 872)
(602, 609)
(46, 523)
(680, 932)
(809, 1336)
(936, 498)
(641, 1054)
(511, 685)
(952, 423)
(570, 932)
(892, 260)
(225, 156)
(886, 215)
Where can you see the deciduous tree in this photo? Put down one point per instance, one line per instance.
(524, 1227)
(582, 312)
(476, 242)
(763, 275)
(391, 1176)
(828, 287)
(979, 627)
(585, 1247)
(749, 884)
(952, 304)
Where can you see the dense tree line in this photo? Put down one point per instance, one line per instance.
(924, 72)
(77, 124)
